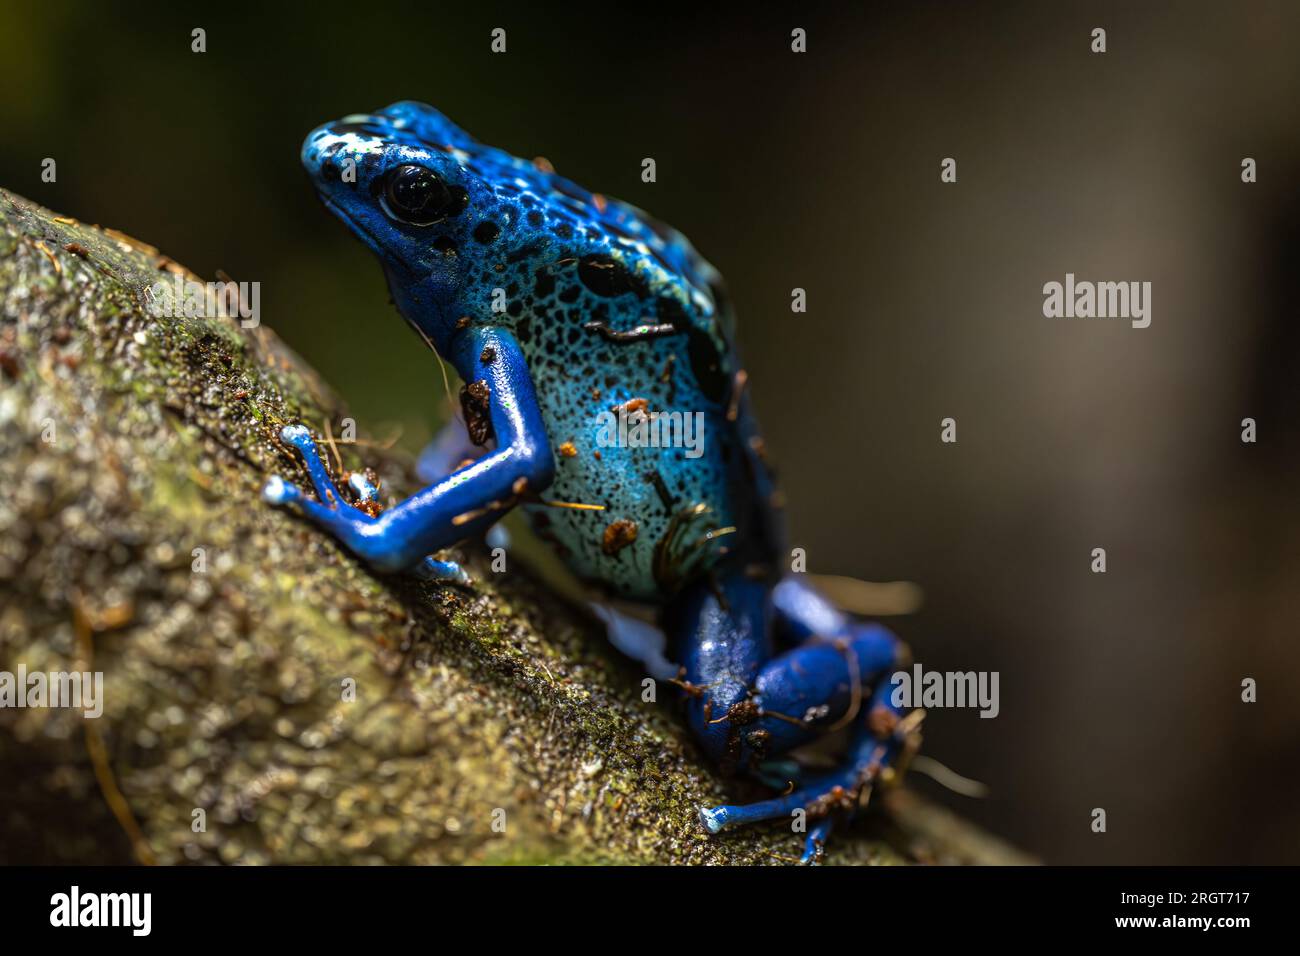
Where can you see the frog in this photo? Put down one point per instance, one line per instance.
(562, 311)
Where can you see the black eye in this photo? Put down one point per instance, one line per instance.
(418, 196)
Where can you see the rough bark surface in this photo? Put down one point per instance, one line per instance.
(129, 441)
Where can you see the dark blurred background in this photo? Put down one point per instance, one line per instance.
(821, 171)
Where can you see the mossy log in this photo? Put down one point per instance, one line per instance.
(490, 723)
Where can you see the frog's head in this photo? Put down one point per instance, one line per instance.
(396, 178)
(452, 219)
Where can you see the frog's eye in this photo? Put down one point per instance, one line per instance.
(418, 196)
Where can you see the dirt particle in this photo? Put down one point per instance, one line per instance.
(474, 403)
(618, 535)
(882, 721)
(631, 407)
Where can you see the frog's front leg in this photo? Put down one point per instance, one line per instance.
(462, 504)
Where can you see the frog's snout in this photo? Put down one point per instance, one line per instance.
(324, 153)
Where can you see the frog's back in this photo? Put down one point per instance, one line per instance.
(629, 340)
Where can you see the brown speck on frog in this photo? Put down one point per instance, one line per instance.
(631, 407)
(837, 798)
(474, 399)
(743, 712)
(882, 721)
(618, 535)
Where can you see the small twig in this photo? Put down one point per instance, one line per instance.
(99, 753)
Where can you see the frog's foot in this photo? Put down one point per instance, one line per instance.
(787, 775)
(280, 492)
(748, 708)
(353, 524)
(333, 507)
(822, 797)
(879, 739)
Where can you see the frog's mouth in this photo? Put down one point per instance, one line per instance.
(361, 229)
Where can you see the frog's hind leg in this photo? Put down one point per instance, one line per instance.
(723, 630)
(821, 797)
(747, 706)
(819, 686)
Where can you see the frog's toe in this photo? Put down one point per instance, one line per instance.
(298, 437)
(446, 572)
(818, 801)
(279, 492)
(714, 819)
(285, 494)
(362, 487)
(814, 849)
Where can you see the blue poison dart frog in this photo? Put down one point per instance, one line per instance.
(565, 311)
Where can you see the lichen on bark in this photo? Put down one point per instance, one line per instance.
(491, 723)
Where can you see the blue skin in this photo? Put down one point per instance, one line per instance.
(556, 305)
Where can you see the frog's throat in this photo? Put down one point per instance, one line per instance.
(364, 234)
